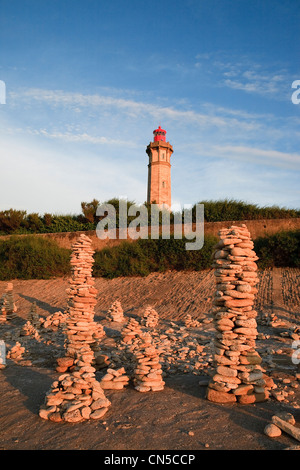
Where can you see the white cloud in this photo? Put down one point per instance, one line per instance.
(84, 137)
(134, 109)
(245, 74)
(264, 157)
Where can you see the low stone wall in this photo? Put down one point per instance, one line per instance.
(257, 228)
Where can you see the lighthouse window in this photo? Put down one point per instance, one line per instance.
(163, 184)
(163, 156)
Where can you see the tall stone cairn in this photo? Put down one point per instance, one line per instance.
(7, 305)
(82, 333)
(77, 395)
(238, 375)
(148, 371)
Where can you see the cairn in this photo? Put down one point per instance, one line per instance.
(115, 312)
(82, 333)
(7, 304)
(190, 322)
(29, 330)
(148, 372)
(150, 318)
(33, 316)
(32, 326)
(238, 375)
(76, 396)
(54, 321)
(130, 332)
(114, 379)
(17, 352)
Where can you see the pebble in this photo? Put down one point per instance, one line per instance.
(272, 430)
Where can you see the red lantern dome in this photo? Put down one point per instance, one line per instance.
(159, 134)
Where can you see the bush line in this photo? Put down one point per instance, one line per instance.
(31, 257)
(19, 222)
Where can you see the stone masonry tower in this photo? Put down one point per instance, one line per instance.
(159, 169)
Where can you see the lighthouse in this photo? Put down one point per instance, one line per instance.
(159, 169)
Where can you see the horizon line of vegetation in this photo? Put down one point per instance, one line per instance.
(31, 257)
(18, 222)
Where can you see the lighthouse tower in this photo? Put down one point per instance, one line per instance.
(159, 169)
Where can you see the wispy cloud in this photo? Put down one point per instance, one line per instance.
(258, 156)
(135, 109)
(244, 74)
(69, 137)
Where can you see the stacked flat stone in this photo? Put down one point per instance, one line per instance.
(54, 321)
(150, 317)
(190, 322)
(238, 375)
(115, 312)
(130, 332)
(114, 379)
(148, 372)
(7, 304)
(33, 316)
(17, 352)
(76, 396)
(30, 330)
(80, 326)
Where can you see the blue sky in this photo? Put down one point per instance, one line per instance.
(87, 82)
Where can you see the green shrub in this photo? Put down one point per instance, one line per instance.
(67, 223)
(11, 220)
(279, 250)
(142, 257)
(228, 209)
(19, 222)
(31, 257)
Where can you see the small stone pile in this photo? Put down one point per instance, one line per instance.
(114, 379)
(115, 312)
(54, 321)
(238, 375)
(148, 371)
(150, 317)
(130, 333)
(76, 396)
(29, 330)
(32, 326)
(190, 322)
(80, 329)
(17, 352)
(33, 316)
(7, 304)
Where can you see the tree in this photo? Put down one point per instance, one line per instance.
(89, 210)
(11, 220)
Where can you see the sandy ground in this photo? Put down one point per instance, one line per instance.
(177, 418)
